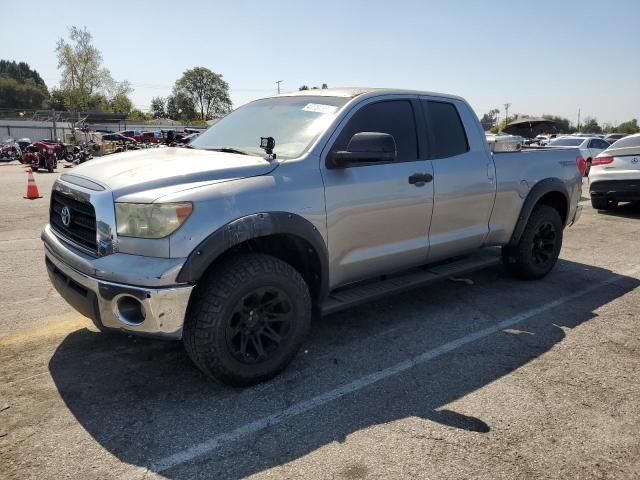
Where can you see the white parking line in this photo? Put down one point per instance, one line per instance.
(296, 409)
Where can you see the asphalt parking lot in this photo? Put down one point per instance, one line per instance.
(488, 378)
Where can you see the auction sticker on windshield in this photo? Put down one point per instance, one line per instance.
(319, 108)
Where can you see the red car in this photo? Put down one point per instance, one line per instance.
(134, 134)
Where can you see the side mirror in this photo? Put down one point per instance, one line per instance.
(366, 147)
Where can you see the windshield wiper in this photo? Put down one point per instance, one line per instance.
(229, 150)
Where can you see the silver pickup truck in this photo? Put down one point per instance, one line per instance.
(312, 201)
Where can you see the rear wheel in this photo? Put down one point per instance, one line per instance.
(537, 251)
(247, 319)
(601, 203)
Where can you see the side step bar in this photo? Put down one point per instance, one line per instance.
(358, 294)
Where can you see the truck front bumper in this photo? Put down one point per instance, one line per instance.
(150, 311)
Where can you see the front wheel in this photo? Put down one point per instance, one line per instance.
(537, 251)
(247, 319)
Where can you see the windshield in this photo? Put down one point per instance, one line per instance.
(294, 123)
(566, 142)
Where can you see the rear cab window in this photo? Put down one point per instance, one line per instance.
(449, 136)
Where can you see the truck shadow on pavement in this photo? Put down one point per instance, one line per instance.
(143, 400)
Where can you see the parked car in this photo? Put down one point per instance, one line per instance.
(590, 147)
(614, 137)
(615, 174)
(544, 139)
(134, 134)
(117, 137)
(311, 200)
(152, 137)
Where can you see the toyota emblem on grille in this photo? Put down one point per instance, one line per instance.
(65, 216)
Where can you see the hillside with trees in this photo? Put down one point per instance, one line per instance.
(21, 87)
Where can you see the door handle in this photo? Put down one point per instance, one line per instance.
(419, 179)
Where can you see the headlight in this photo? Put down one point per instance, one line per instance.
(50, 151)
(150, 220)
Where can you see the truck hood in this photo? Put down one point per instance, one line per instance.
(158, 168)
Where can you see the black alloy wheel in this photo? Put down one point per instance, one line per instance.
(259, 325)
(544, 243)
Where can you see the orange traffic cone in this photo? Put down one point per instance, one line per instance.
(32, 188)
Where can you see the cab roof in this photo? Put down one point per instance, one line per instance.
(352, 92)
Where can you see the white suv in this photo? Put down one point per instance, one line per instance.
(615, 174)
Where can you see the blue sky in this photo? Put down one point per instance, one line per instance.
(542, 57)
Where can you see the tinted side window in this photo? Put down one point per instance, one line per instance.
(601, 144)
(449, 136)
(394, 117)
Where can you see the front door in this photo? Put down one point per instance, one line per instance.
(377, 219)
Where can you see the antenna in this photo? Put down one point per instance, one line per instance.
(278, 82)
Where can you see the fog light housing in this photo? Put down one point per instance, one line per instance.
(130, 310)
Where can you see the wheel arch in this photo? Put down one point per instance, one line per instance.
(552, 192)
(284, 235)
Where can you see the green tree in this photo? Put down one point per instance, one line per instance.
(81, 65)
(629, 127)
(180, 107)
(121, 104)
(20, 86)
(306, 87)
(590, 126)
(208, 92)
(139, 115)
(488, 120)
(56, 100)
(157, 107)
(85, 81)
(563, 125)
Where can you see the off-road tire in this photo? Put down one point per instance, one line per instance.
(600, 203)
(211, 310)
(520, 259)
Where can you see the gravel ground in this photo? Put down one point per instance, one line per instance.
(495, 379)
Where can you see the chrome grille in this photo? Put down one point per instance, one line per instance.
(82, 226)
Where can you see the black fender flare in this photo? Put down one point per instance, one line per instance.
(254, 226)
(540, 189)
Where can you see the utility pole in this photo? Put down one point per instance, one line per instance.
(278, 82)
(53, 119)
(506, 113)
(578, 120)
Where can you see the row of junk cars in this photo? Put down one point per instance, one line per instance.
(611, 162)
(46, 153)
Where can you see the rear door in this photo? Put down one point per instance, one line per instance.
(463, 178)
(377, 217)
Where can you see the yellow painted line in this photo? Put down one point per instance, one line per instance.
(56, 326)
